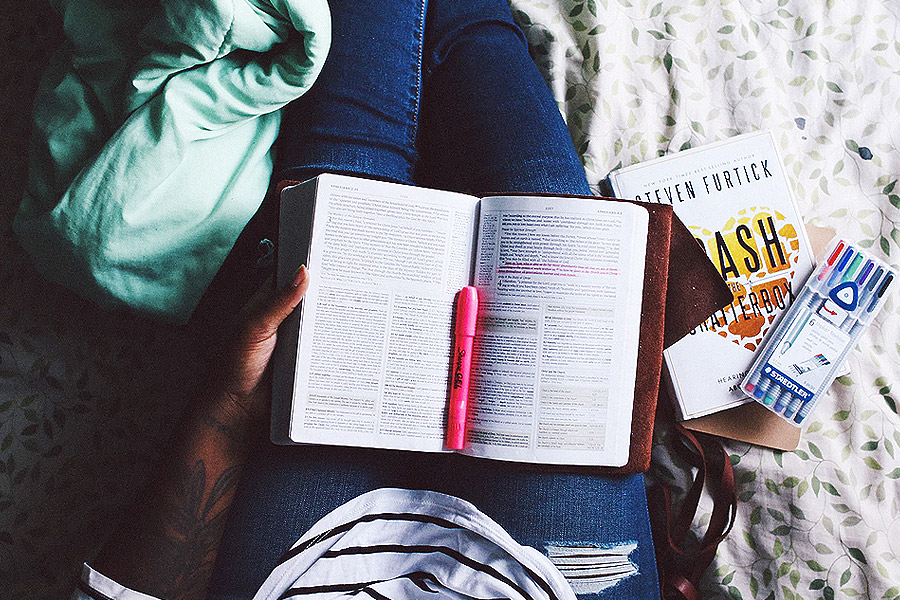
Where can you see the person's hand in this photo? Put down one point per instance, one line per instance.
(243, 367)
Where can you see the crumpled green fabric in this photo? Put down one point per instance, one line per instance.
(153, 140)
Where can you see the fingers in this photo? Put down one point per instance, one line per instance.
(247, 356)
(278, 305)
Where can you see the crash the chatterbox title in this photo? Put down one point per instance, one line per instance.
(756, 252)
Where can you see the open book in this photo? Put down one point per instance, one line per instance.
(365, 359)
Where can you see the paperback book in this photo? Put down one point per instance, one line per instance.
(736, 200)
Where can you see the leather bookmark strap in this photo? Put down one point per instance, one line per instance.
(682, 560)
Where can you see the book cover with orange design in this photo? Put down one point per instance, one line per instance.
(735, 198)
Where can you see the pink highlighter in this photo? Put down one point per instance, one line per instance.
(461, 359)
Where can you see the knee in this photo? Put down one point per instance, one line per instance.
(450, 24)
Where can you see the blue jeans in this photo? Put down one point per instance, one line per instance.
(287, 489)
(444, 96)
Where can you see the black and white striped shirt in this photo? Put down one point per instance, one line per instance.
(393, 543)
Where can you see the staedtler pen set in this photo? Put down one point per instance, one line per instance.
(800, 360)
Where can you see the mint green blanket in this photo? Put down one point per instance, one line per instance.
(152, 140)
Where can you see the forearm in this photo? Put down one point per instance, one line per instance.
(166, 545)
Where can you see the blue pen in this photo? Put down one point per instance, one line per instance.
(839, 269)
(873, 282)
(793, 407)
(880, 294)
(865, 273)
(781, 402)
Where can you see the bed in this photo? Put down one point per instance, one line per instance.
(85, 398)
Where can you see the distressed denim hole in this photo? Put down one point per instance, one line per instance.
(590, 569)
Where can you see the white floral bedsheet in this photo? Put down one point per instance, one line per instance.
(640, 78)
(634, 78)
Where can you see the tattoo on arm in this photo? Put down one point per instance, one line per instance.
(232, 433)
(167, 546)
(189, 548)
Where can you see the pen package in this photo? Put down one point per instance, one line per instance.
(801, 358)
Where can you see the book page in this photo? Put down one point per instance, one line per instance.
(560, 282)
(385, 263)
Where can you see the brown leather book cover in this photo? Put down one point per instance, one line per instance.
(681, 289)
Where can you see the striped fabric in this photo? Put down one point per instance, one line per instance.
(408, 544)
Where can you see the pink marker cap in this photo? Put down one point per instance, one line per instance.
(466, 311)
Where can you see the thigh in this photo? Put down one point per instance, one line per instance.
(361, 115)
(284, 491)
(602, 520)
(489, 123)
(287, 489)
